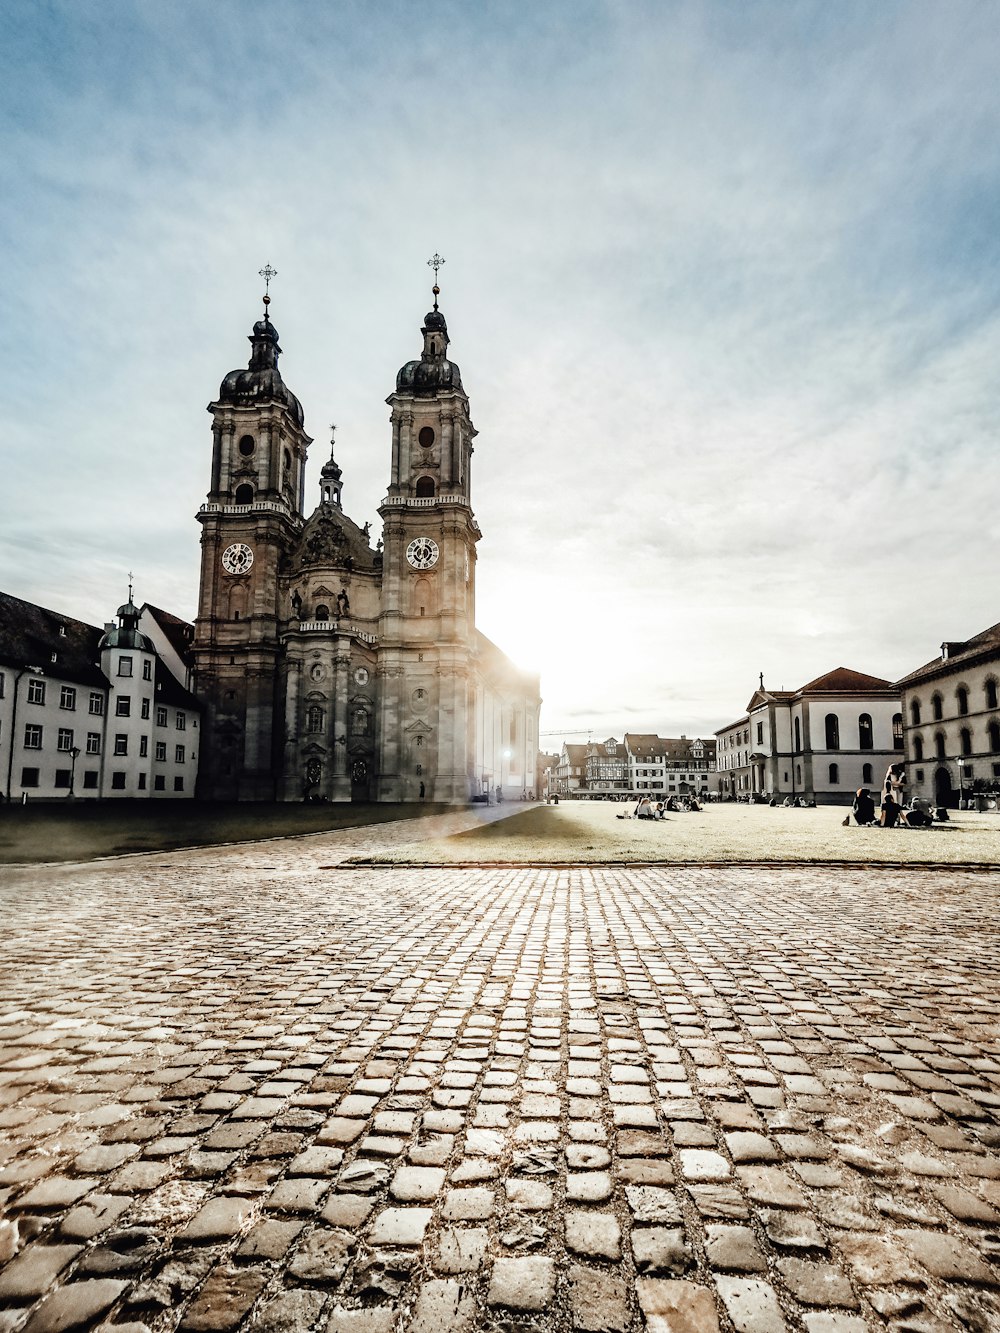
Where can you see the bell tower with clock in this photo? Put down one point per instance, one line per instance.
(252, 517)
(427, 631)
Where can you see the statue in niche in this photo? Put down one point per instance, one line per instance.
(296, 604)
(366, 531)
(343, 604)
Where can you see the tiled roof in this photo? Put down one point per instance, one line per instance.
(842, 680)
(30, 635)
(170, 691)
(179, 633)
(983, 646)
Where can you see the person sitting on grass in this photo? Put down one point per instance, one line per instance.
(890, 810)
(864, 807)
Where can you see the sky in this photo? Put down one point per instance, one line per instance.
(723, 281)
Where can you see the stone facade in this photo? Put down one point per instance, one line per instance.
(821, 742)
(331, 669)
(951, 711)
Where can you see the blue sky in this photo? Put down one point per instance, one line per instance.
(722, 279)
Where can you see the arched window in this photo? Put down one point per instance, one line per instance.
(247, 445)
(866, 773)
(360, 721)
(991, 694)
(798, 736)
(918, 749)
(897, 731)
(994, 734)
(244, 495)
(314, 718)
(798, 774)
(286, 459)
(962, 695)
(834, 774)
(322, 612)
(832, 731)
(866, 739)
(425, 486)
(966, 740)
(915, 712)
(937, 707)
(939, 749)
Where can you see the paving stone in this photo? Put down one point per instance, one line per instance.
(461, 1250)
(733, 1249)
(597, 1300)
(751, 1304)
(219, 1219)
(225, 1298)
(417, 1182)
(74, 1306)
(947, 1257)
(443, 1305)
(661, 1250)
(400, 1226)
(269, 1240)
(528, 1195)
(676, 1307)
(289, 1312)
(594, 1235)
(34, 1270)
(522, 1284)
(468, 1204)
(588, 1186)
(323, 1256)
(701, 1166)
(347, 1210)
(817, 1283)
(878, 1260)
(93, 1216)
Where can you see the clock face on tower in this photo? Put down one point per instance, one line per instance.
(422, 553)
(237, 559)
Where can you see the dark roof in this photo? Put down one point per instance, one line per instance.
(170, 691)
(741, 722)
(575, 754)
(842, 680)
(433, 373)
(30, 635)
(179, 633)
(982, 647)
(647, 746)
(261, 381)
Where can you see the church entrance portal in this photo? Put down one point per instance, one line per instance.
(359, 781)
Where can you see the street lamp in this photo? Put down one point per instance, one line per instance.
(74, 754)
(961, 783)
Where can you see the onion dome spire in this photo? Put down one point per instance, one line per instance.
(262, 381)
(330, 486)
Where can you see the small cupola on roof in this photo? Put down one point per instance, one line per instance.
(261, 381)
(330, 485)
(127, 633)
(433, 373)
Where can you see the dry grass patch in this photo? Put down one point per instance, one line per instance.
(579, 831)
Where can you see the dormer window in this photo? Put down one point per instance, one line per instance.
(62, 631)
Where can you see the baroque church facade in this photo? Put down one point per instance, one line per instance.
(329, 669)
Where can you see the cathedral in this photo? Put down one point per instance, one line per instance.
(329, 669)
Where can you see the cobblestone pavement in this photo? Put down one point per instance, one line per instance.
(241, 1091)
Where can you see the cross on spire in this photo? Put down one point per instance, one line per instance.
(333, 434)
(435, 263)
(267, 273)
(130, 577)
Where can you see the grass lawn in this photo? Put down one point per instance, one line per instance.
(85, 830)
(589, 831)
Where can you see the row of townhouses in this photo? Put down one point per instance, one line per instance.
(90, 712)
(842, 731)
(641, 764)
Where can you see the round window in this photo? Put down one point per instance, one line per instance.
(247, 445)
(426, 436)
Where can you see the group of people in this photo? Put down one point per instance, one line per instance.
(647, 809)
(892, 810)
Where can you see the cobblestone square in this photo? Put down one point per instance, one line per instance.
(252, 1087)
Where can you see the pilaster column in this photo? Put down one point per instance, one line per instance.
(449, 472)
(396, 424)
(341, 789)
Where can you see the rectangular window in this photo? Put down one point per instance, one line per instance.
(178, 784)
(65, 741)
(142, 782)
(96, 704)
(179, 754)
(90, 779)
(144, 708)
(36, 691)
(161, 751)
(29, 777)
(143, 746)
(32, 737)
(124, 666)
(67, 697)
(121, 744)
(161, 717)
(93, 742)
(118, 781)
(760, 733)
(2, 682)
(123, 706)
(181, 721)
(159, 782)
(63, 777)
(147, 670)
